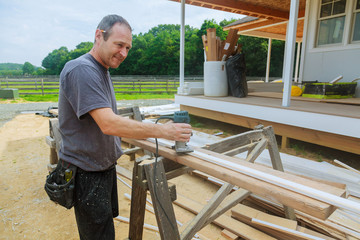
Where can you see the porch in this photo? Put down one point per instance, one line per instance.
(333, 123)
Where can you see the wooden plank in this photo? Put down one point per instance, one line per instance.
(235, 141)
(229, 235)
(224, 221)
(211, 38)
(345, 219)
(230, 44)
(269, 191)
(206, 47)
(124, 172)
(245, 214)
(344, 143)
(293, 234)
(321, 226)
(314, 233)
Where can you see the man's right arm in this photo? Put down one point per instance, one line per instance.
(116, 125)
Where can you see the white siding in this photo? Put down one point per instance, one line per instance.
(326, 63)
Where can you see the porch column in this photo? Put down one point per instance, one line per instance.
(268, 60)
(289, 52)
(297, 62)
(182, 46)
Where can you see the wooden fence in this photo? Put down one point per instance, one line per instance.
(122, 84)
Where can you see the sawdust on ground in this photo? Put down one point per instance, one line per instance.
(26, 211)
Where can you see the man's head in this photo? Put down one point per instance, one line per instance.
(113, 40)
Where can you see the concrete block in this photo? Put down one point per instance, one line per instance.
(9, 93)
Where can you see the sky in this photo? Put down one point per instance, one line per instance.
(31, 29)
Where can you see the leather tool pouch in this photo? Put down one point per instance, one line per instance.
(60, 184)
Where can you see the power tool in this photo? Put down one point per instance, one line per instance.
(180, 117)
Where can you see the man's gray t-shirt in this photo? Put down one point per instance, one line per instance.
(85, 85)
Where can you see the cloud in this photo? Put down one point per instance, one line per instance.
(33, 29)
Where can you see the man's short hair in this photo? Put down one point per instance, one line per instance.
(109, 21)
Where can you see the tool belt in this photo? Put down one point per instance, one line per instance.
(60, 184)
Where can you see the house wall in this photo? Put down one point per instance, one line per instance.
(328, 62)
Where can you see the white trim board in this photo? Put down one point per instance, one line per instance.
(321, 122)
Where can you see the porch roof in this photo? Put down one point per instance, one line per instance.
(267, 19)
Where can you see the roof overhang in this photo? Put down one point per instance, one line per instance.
(272, 16)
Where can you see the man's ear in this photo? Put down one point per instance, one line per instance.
(98, 35)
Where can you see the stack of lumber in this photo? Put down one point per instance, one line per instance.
(340, 224)
(319, 170)
(217, 50)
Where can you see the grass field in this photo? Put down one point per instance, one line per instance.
(55, 97)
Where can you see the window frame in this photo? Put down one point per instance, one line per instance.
(353, 14)
(331, 16)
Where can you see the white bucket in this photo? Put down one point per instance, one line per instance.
(215, 80)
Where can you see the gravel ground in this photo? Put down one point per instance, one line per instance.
(10, 110)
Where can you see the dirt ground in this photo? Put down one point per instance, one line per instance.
(26, 211)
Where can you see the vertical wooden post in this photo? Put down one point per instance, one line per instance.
(42, 86)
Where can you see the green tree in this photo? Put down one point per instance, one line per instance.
(80, 49)
(212, 24)
(28, 68)
(157, 52)
(54, 62)
(277, 58)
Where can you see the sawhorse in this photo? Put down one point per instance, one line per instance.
(151, 175)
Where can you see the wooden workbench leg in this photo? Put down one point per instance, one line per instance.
(137, 209)
(164, 211)
(277, 164)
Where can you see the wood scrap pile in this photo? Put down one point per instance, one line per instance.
(217, 50)
(268, 217)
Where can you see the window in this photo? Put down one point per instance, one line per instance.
(356, 31)
(331, 22)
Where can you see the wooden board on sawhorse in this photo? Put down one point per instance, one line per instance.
(253, 141)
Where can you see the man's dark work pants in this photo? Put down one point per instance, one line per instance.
(96, 204)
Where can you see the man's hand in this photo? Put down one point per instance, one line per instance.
(177, 131)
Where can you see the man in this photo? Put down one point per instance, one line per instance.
(90, 127)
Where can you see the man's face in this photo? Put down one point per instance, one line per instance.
(114, 51)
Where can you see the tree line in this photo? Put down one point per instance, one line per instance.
(157, 52)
